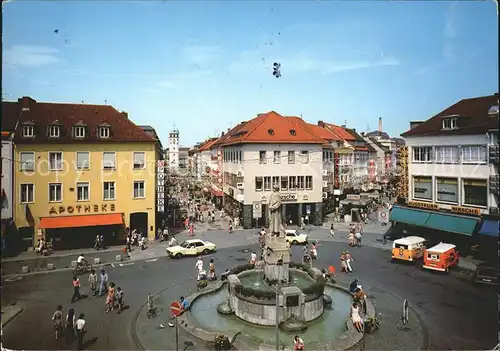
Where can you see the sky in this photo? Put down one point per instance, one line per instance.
(205, 66)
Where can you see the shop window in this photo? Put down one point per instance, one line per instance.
(309, 182)
(300, 182)
(447, 190)
(475, 192)
(292, 183)
(267, 183)
(284, 183)
(422, 188)
(258, 183)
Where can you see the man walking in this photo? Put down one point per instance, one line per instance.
(76, 289)
(103, 279)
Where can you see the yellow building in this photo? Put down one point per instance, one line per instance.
(80, 170)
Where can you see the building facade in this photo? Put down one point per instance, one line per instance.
(266, 151)
(80, 170)
(453, 164)
(7, 191)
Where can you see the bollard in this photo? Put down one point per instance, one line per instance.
(118, 258)
(50, 266)
(24, 269)
(97, 260)
(73, 264)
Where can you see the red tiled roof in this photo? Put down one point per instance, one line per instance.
(472, 117)
(315, 130)
(341, 132)
(44, 114)
(207, 145)
(270, 127)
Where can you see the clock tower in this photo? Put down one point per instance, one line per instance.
(173, 149)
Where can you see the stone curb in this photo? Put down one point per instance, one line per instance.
(347, 340)
(10, 317)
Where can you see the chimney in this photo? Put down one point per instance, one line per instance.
(380, 125)
(321, 124)
(221, 134)
(26, 102)
(125, 114)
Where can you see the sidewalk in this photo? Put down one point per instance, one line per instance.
(9, 313)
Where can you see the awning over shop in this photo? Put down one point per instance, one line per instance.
(433, 220)
(217, 193)
(490, 227)
(81, 221)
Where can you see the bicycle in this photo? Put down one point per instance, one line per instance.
(82, 268)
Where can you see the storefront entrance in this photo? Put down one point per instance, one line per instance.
(292, 214)
(83, 237)
(139, 222)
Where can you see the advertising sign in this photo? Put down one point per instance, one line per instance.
(220, 164)
(160, 185)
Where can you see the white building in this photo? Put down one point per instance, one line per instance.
(453, 160)
(173, 150)
(272, 150)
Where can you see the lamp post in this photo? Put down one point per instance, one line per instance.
(278, 288)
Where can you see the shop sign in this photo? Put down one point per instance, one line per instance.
(288, 197)
(353, 197)
(425, 205)
(81, 209)
(160, 186)
(220, 160)
(466, 210)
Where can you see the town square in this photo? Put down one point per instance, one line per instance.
(250, 175)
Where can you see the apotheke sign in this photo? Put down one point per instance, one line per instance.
(82, 209)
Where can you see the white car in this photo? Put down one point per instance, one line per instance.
(192, 247)
(294, 237)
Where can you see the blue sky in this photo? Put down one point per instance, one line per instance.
(208, 65)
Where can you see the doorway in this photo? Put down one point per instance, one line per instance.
(139, 221)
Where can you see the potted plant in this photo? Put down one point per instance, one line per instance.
(371, 324)
(202, 284)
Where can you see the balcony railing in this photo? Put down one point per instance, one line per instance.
(494, 183)
(494, 154)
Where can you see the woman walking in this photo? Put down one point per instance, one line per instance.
(70, 325)
(93, 282)
(76, 289)
(57, 322)
(110, 299)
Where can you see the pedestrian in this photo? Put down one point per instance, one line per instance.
(93, 282)
(103, 282)
(348, 260)
(332, 231)
(76, 289)
(57, 322)
(70, 325)
(211, 270)
(119, 299)
(110, 299)
(199, 267)
(343, 265)
(298, 343)
(81, 329)
(358, 238)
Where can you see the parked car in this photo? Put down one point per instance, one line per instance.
(192, 247)
(485, 275)
(294, 237)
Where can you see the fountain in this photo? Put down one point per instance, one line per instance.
(276, 292)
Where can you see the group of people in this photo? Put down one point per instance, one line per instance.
(69, 325)
(358, 303)
(345, 262)
(99, 242)
(44, 247)
(202, 273)
(135, 238)
(355, 235)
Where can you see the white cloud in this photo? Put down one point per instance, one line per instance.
(254, 61)
(201, 54)
(30, 56)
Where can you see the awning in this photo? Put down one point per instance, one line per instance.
(489, 227)
(81, 221)
(434, 220)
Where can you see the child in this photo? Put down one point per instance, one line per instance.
(119, 299)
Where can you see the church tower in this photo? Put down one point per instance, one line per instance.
(173, 149)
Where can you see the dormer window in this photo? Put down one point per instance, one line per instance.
(79, 132)
(450, 123)
(104, 132)
(28, 131)
(493, 111)
(54, 132)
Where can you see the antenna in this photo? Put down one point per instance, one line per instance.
(105, 101)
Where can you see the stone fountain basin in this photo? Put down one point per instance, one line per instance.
(332, 331)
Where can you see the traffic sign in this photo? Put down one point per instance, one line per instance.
(175, 307)
(383, 216)
(257, 209)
